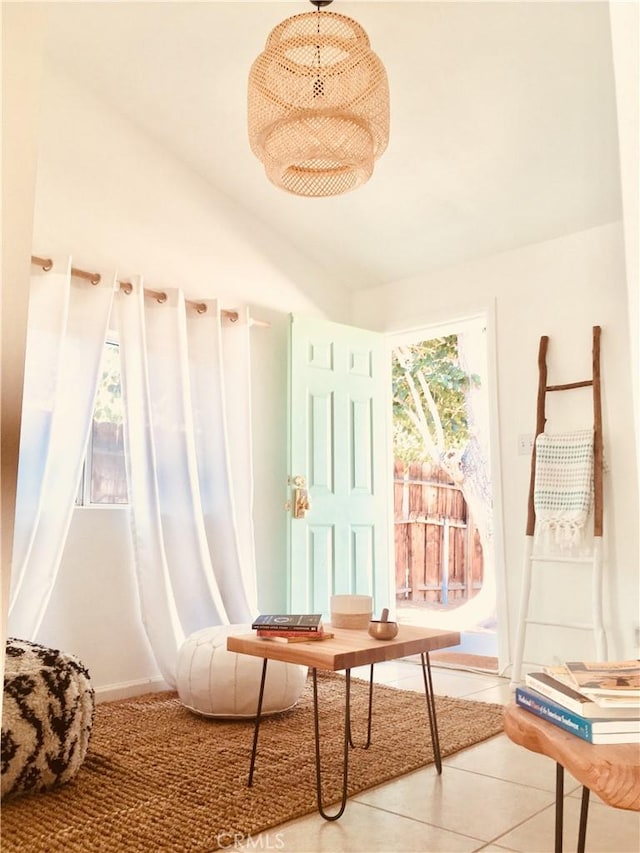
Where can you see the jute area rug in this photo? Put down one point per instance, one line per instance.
(158, 777)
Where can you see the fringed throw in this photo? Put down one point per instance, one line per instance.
(563, 489)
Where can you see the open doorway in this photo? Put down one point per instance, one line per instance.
(444, 532)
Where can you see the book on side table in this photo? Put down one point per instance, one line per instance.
(592, 730)
(288, 622)
(553, 687)
(610, 716)
(611, 678)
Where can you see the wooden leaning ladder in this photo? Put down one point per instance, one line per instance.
(595, 557)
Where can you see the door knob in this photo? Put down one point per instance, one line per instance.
(301, 504)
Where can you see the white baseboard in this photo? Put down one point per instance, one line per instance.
(128, 689)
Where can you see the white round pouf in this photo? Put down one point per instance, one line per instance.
(217, 683)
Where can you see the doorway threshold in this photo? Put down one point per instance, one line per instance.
(465, 661)
(476, 652)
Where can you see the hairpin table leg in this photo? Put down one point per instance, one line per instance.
(431, 709)
(257, 725)
(345, 759)
(559, 806)
(584, 813)
(367, 743)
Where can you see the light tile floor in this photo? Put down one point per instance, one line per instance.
(495, 796)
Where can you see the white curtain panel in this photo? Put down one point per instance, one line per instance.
(192, 572)
(220, 375)
(67, 326)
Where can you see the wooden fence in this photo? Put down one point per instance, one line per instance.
(437, 546)
(108, 472)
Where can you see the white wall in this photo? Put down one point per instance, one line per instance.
(108, 195)
(94, 610)
(559, 288)
(625, 39)
(23, 31)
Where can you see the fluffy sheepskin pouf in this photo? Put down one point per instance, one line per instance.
(47, 714)
(217, 683)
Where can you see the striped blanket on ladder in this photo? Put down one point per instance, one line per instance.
(563, 488)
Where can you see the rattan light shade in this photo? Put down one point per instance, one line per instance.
(318, 105)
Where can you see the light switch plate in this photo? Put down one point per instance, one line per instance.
(525, 444)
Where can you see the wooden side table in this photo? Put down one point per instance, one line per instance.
(348, 649)
(611, 771)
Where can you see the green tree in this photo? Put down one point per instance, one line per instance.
(430, 389)
(108, 406)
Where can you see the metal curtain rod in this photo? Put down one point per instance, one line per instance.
(126, 286)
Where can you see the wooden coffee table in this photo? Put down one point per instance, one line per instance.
(612, 771)
(344, 651)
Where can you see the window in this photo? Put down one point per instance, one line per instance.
(104, 480)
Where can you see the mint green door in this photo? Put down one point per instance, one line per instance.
(339, 412)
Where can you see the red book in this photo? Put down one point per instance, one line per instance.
(294, 636)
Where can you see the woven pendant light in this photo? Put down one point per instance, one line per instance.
(318, 105)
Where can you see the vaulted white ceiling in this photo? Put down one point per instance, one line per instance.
(503, 120)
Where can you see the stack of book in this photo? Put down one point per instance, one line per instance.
(598, 702)
(294, 628)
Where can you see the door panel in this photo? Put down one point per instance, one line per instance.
(338, 407)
